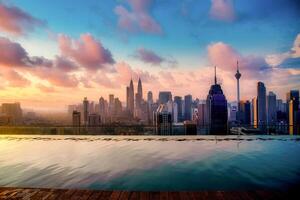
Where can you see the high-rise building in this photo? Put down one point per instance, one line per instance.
(261, 105)
(178, 101)
(85, 110)
(238, 76)
(271, 108)
(254, 115)
(217, 109)
(111, 104)
(130, 99)
(201, 114)
(76, 118)
(117, 107)
(102, 111)
(245, 112)
(140, 89)
(188, 100)
(163, 120)
(292, 99)
(12, 111)
(164, 97)
(173, 109)
(150, 98)
(94, 120)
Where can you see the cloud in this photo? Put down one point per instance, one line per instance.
(150, 57)
(125, 72)
(65, 64)
(87, 51)
(56, 77)
(46, 89)
(138, 19)
(222, 10)
(225, 57)
(15, 55)
(15, 79)
(277, 59)
(16, 21)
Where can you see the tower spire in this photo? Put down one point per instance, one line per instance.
(215, 75)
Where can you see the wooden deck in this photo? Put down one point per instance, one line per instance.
(47, 194)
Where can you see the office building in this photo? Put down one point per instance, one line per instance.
(76, 118)
(85, 110)
(261, 106)
(13, 112)
(163, 120)
(164, 97)
(94, 120)
(271, 108)
(178, 101)
(188, 100)
(217, 109)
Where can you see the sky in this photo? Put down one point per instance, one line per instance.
(55, 53)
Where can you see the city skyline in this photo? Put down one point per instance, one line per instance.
(51, 62)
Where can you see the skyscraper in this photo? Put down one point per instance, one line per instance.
(254, 114)
(102, 110)
(217, 109)
(150, 98)
(163, 120)
(12, 111)
(188, 100)
(245, 112)
(130, 98)
(292, 100)
(164, 97)
(261, 105)
(85, 110)
(238, 76)
(140, 89)
(178, 101)
(271, 108)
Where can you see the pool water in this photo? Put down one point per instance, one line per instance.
(149, 163)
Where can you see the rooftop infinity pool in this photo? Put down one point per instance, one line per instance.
(149, 163)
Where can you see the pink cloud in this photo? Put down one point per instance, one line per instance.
(225, 57)
(15, 79)
(65, 64)
(125, 73)
(56, 77)
(87, 51)
(148, 56)
(16, 21)
(138, 19)
(222, 10)
(15, 55)
(44, 88)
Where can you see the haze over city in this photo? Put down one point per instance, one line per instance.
(54, 55)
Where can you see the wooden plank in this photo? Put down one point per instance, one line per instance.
(48, 194)
(124, 195)
(163, 195)
(144, 195)
(96, 195)
(173, 195)
(67, 194)
(53, 194)
(106, 195)
(134, 196)
(115, 195)
(154, 195)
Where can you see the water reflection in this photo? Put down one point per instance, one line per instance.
(149, 162)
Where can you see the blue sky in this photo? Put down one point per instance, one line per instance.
(178, 32)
